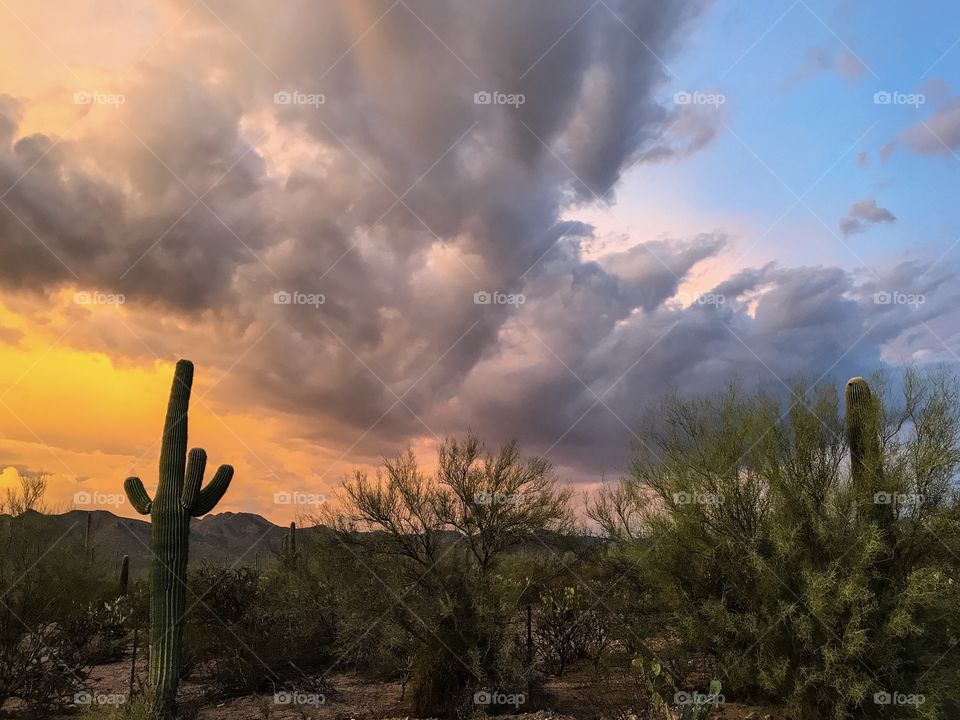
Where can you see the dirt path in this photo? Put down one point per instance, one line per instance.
(579, 695)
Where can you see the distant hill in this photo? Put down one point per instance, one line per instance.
(224, 538)
(227, 538)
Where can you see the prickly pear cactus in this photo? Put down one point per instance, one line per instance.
(179, 497)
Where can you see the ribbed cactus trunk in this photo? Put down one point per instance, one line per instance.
(863, 438)
(290, 547)
(178, 498)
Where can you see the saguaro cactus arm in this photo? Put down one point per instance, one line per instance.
(137, 495)
(196, 464)
(208, 498)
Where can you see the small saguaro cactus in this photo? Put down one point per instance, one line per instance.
(124, 576)
(179, 497)
(88, 549)
(863, 437)
(290, 552)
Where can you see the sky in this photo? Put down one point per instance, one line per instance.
(373, 224)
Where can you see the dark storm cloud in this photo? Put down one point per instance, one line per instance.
(148, 209)
(601, 365)
(398, 198)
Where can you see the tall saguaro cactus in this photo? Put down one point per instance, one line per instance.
(179, 497)
(290, 553)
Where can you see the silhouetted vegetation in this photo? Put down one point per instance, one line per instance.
(800, 554)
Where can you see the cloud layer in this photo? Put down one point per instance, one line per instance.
(864, 213)
(342, 150)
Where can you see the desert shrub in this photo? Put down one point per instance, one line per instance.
(568, 628)
(254, 631)
(49, 638)
(434, 550)
(753, 545)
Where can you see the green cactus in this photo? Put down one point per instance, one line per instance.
(124, 576)
(88, 550)
(179, 497)
(863, 437)
(290, 554)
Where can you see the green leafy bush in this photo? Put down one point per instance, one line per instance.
(436, 548)
(811, 582)
(250, 631)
